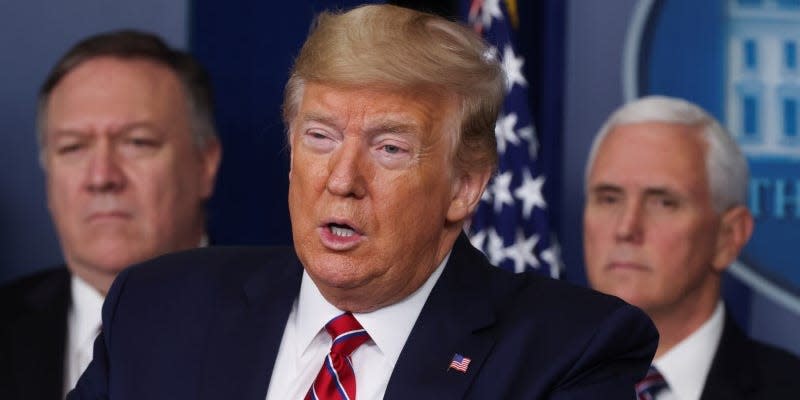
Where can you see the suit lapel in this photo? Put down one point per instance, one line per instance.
(448, 324)
(732, 374)
(38, 340)
(246, 332)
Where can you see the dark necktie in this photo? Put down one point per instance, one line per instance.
(336, 379)
(653, 382)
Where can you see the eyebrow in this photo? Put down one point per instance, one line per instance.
(605, 187)
(648, 191)
(382, 125)
(390, 126)
(121, 130)
(316, 117)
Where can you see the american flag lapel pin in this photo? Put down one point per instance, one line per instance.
(459, 363)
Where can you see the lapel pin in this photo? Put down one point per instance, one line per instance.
(459, 363)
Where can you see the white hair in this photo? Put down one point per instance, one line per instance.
(726, 166)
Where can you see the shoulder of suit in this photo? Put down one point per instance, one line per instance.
(753, 364)
(39, 289)
(535, 297)
(569, 296)
(565, 306)
(217, 255)
(208, 264)
(777, 364)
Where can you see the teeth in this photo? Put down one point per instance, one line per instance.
(342, 232)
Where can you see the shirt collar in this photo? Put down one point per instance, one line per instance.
(87, 305)
(388, 326)
(686, 365)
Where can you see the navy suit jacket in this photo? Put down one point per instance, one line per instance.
(207, 324)
(744, 369)
(33, 335)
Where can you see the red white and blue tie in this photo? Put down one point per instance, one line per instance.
(336, 379)
(653, 382)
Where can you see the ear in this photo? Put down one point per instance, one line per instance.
(467, 191)
(735, 228)
(210, 155)
(290, 147)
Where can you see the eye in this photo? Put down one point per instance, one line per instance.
(142, 142)
(318, 140)
(68, 148)
(317, 135)
(69, 144)
(668, 202)
(606, 198)
(392, 152)
(391, 149)
(664, 202)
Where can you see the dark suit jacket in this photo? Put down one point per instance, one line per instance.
(745, 369)
(33, 330)
(207, 324)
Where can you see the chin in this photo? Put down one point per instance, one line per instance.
(338, 275)
(338, 279)
(115, 257)
(116, 265)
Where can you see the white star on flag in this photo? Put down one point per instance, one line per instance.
(489, 11)
(528, 134)
(478, 239)
(512, 65)
(501, 192)
(495, 249)
(530, 193)
(522, 251)
(504, 131)
(552, 256)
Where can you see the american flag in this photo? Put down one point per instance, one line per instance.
(511, 225)
(459, 363)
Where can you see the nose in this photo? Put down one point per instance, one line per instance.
(104, 174)
(629, 223)
(346, 172)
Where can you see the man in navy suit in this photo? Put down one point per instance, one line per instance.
(665, 216)
(130, 153)
(390, 116)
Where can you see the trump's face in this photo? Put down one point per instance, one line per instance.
(125, 181)
(650, 231)
(374, 200)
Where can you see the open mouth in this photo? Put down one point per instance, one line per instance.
(341, 230)
(340, 236)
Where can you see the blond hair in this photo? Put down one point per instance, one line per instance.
(397, 48)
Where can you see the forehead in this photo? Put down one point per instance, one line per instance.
(652, 154)
(363, 107)
(110, 85)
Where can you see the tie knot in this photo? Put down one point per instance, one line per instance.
(652, 383)
(347, 334)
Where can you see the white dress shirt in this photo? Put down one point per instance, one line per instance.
(305, 342)
(685, 366)
(83, 325)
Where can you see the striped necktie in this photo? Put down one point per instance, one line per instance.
(653, 382)
(336, 379)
